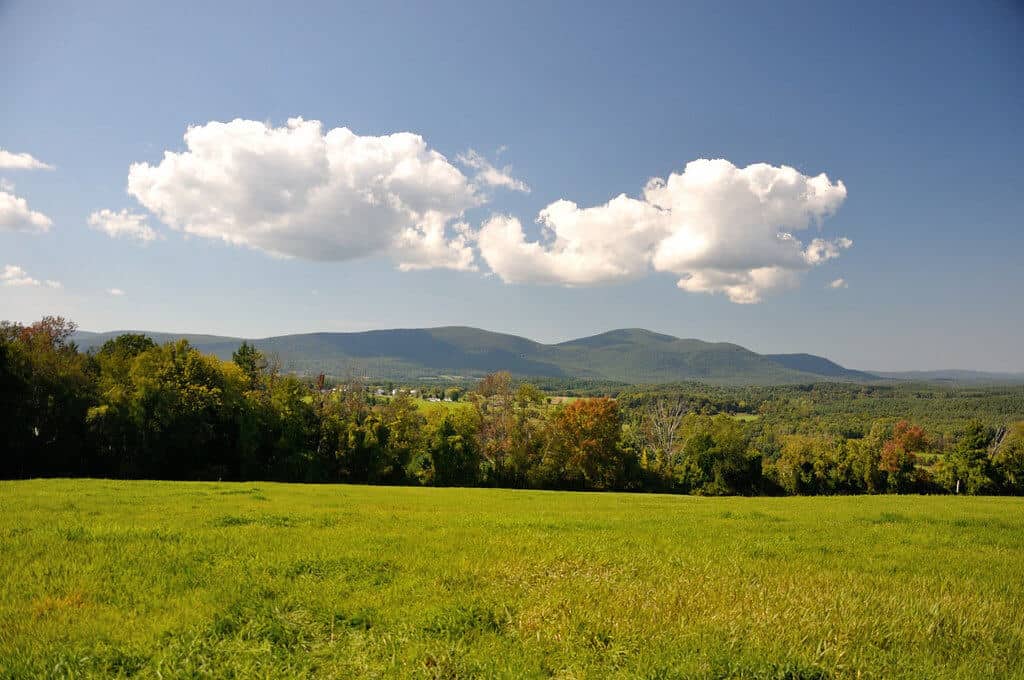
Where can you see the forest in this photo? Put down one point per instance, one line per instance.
(136, 409)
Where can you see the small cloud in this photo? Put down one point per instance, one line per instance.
(13, 275)
(116, 292)
(488, 175)
(820, 250)
(21, 161)
(15, 214)
(123, 223)
(838, 283)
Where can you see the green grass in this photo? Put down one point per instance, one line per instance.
(432, 408)
(160, 579)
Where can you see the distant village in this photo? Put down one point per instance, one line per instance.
(432, 394)
(450, 394)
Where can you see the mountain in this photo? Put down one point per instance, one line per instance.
(810, 363)
(631, 355)
(88, 339)
(640, 356)
(956, 377)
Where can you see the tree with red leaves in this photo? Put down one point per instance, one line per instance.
(898, 455)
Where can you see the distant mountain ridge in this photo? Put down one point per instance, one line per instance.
(810, 363)
(955, 376)
(631, 355)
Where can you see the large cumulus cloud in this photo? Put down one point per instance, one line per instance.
(718, 227)
(298, 191)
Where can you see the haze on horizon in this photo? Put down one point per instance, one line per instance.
(753, 175)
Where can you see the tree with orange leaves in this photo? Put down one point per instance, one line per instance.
(898, 458)
(585, 443)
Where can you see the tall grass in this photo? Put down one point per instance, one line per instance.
(165, 579)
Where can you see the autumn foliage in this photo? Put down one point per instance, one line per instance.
(132, 408)
(586, 433)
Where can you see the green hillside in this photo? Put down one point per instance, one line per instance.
(637, 355)
(810, 363)
(625, 355)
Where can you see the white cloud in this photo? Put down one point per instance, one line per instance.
(821, 250)
(741, 287)
(21, 161)
(838, 283)
(581, 247)
(488, 175)
(13, 275)
(720, 228)
(116, 292)
(15, 214)
(296, 191)
(123, 223)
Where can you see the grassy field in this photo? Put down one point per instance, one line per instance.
(160, 579)
(432, 408)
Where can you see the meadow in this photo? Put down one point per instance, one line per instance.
(180, 579)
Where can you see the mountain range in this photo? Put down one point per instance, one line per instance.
(630, 355)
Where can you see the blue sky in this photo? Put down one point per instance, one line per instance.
(915, 108)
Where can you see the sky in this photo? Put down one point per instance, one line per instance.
(836, 178)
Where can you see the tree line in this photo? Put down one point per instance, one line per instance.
(136, 409)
